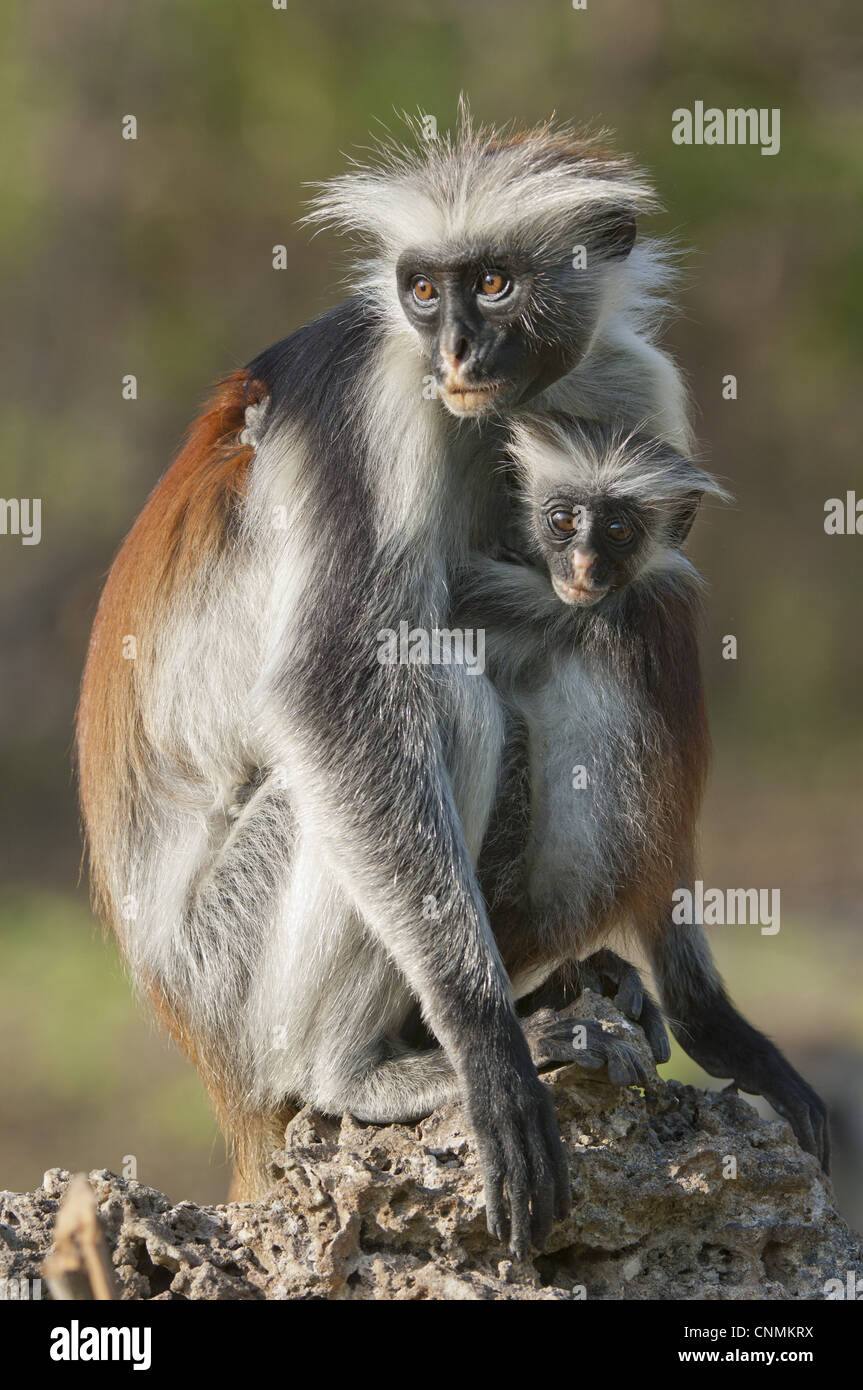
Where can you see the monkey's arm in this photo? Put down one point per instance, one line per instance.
(714, 1034)
(365, 755)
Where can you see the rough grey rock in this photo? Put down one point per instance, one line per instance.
(365, 1212)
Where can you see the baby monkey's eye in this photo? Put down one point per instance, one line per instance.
(562, 522)
(493, 284)
(423, 289)
(620, 531)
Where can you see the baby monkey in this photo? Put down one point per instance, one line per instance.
(591, 623)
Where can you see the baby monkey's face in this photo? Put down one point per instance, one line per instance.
(593, 546)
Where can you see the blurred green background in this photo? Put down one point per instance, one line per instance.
(153, 257)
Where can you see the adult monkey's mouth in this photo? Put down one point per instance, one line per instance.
(473, 398)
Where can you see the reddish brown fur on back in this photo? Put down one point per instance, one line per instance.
(667, 667)
(184, 524)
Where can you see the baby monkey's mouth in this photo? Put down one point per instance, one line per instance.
(585, 596)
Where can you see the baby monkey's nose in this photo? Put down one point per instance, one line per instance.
(582, 567)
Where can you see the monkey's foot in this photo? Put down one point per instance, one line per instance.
(608, 974)
(806, 1113)
(582, 1042)
(763, 1071)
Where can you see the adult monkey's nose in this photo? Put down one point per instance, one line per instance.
(456, 346)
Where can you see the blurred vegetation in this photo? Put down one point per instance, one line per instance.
(154, 257)
(87, 1081)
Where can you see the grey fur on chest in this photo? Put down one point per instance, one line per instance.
(581, 731)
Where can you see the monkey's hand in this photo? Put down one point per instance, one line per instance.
(608, 974)
(582, 1042)
(523, 1160)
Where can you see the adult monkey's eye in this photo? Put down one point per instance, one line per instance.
(493, 284)
(620, 531)
(562, 521)
(423, 290)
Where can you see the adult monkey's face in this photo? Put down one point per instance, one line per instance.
(499, 326)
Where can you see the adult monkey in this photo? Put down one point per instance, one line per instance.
(282, 830)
